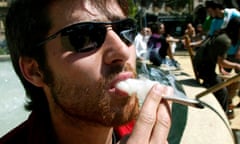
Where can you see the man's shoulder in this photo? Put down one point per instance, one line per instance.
(36, 129)
(17, 135)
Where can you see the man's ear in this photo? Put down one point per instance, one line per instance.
(31, 72)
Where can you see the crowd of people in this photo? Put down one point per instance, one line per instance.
(156, 46)
(221, 48)
(221, 31)
(69, 56)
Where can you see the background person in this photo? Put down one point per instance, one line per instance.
(190, 31)
(140, 42)
(69, 55)
(233, 31)
(199, 37)
(220, 18)
(159, 47)
(214, 51)
(200, 33)
(220, 15)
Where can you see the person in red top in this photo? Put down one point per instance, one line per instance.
(69, 55)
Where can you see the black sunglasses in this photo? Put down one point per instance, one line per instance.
(88, 36)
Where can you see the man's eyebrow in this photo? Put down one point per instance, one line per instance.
(116, 18)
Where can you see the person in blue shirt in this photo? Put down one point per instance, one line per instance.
(221, 17)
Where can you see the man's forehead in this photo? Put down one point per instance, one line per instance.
(68, 12)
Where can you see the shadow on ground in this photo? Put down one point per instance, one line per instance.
(236, 133)
(190, 82)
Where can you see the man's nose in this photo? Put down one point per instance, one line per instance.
(115, 50)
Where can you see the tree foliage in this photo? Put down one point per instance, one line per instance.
(133, 8)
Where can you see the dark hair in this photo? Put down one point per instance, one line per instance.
(232, 29)
(27, 23)
(155, 27)
(214, 4)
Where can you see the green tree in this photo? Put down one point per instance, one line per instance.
(133, 8)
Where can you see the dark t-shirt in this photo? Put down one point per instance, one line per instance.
(157, 47)
(219, 47)
(159, 44)
(206, 58)
(37, 129)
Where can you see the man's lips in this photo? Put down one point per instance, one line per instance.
(120, 77)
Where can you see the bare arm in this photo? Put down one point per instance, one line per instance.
(228, 64)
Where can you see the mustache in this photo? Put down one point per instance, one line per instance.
(115, 70)
(128, 67)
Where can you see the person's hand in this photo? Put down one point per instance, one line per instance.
(222, 71)
(154, 121)
(237, 67)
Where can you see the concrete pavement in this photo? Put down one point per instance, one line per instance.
(186, 66)
(184, 59)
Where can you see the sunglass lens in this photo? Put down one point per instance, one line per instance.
(126, 29)
(87, 37)
(128, 36)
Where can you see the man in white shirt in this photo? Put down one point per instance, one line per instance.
(140, 43)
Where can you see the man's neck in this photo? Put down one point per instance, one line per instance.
(82, 132)
(74, 131)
